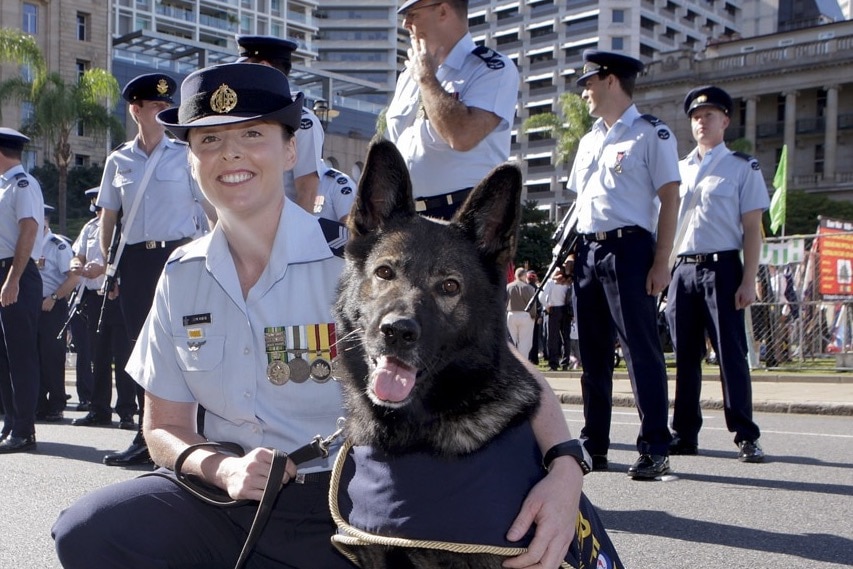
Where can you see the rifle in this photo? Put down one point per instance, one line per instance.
(113, 257)
(73, 306)
(565, 238)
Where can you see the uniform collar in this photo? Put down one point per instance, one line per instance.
(694, 158)
(456, 58)
(630, 115)
(165, 141)
(299, 239)
(10, 173)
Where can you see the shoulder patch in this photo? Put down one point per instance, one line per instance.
(23, 181)
(492, 59)
(663, 133)
(305, 123)
(336, 235)
(753, 163)
(346, 190)
(342, 180)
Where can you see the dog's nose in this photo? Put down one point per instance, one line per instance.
(402, 330)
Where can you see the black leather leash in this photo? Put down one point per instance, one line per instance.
(317, 448)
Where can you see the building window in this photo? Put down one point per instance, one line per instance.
(618, 16)
(82, 67)
(819, 155)
(82, 26)
(617, 44)
(821, 102)
(31, 17)
(82, 160)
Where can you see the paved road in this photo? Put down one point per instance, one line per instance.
(713, 513)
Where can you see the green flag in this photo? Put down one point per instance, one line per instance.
(780, 184)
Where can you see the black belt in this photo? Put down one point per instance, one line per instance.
(158, 244)
(433, 202)
(614, 233)
(709, 257)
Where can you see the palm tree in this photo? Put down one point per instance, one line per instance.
(58, 107)
(568, 130)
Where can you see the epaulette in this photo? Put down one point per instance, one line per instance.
(753, 163)
(336, 235)
(332, 173)
(23, 180)
(660, 126)
(493, 59)
(60, 244)
(65, 238)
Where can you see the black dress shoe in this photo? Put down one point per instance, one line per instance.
(750, 451)
(84, 406)
(681, 447)
(127, 423)
(136, 453)
(599, 462)
(649, 467)
(17, 444)
(53, 417)
(92, 419)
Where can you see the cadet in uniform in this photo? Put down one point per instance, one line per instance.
(301, 184)
(623, 164)
(453, 107)
(111, 343)
(242, 325)
(335, 195)
(723, 196)
(21, 226)
(57, 283)
(168, 213)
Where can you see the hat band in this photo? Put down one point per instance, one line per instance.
(244, 103)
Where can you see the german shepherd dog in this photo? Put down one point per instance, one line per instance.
(439, 442)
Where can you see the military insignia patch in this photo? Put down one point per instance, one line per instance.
(23, 183)
(305, 124)
(663, 134)
(346, 191)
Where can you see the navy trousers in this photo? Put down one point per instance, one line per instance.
(151, 523)
(110, 345)
(702, 298)
(611, 301)
(19, 359)
(80, 336)
(52, 352)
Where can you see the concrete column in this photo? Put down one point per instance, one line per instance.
(830, 143)
(790, 133)
(750, 126)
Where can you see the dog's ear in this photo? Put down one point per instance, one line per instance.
(385, 189)
(492, 212)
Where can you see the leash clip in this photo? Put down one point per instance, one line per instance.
(324, 444)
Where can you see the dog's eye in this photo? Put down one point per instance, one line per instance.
(384, 272)
(450, 287)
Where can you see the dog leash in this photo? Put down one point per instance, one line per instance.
(317, 448)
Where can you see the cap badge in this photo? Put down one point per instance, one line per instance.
(590, 66)
(223, 99)
(700, 99)
(162, 86)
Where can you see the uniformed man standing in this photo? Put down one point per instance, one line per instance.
(111, 343)
(57, 283)
(453, 107)
(21, 225)
(300, 184)
(335, 195)
(623, 166)
(723, 195)
(165, 216)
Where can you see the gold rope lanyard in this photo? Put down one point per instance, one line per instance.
(351, 536)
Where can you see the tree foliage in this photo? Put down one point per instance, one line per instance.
(534, 240)
(59, 108)
(567, 129)
(804, 208)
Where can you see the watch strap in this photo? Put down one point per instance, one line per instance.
(573, 448)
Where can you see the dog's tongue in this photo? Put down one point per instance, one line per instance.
(392, 381)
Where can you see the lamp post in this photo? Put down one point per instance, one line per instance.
(324, 113)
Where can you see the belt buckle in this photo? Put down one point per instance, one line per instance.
(600, 235)
(299, 478)
(420, 205)
(150, 244)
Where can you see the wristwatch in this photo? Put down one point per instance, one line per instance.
(53, 296)
(573, 448)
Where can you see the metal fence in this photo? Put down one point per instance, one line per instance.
(803, 317)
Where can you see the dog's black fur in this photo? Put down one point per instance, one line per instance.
(426, 298)
(430, 296)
